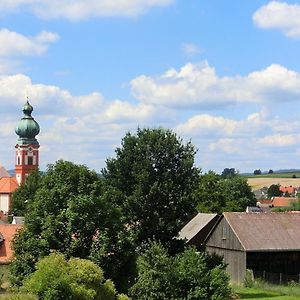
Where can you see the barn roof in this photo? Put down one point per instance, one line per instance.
(266, 231)
(192, 228)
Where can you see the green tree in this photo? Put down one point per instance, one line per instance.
(154, 170)
(216, 194)
(187, 276)
(68, 212)
(25, 193)
(274, 191)
(228, 173)
(257, 172)
(77, 279)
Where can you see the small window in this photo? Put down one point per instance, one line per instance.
(30, 160)
(19, 160)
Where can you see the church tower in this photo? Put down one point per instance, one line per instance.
(27, 147)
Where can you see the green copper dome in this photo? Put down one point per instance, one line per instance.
(27, 128)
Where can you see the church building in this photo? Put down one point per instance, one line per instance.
(26, 159)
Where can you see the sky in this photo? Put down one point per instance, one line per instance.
(224, 75)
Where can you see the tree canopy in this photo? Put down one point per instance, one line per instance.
(274, 191)
(190, 275)
(216, 194)
(154, 170)
(56, 278)
(66, 213)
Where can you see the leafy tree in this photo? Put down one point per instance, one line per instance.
(228, 173)
(216, 194)
(57, 278)
(67, 213)
(188, 275)
(257, 172)
(25, 193)
(154, 170)
(270, 171)
(274, 191)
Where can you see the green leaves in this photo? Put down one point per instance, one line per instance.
(76, 279)
(155, 172)
(187, 276)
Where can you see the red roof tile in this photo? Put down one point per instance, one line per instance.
(8, 185)
(283, 201)
(7, 231)
(287, 189)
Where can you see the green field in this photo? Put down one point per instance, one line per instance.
(276, 175)
(262, 294)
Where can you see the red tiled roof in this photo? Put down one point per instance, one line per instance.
(8, 185)
(7, 231)
(283, 201)
(287, 189)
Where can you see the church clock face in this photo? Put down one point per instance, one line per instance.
(30, 149)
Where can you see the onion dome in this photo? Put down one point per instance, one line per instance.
(27, 128)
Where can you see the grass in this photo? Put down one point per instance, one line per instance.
(265, 291)
(261, 294)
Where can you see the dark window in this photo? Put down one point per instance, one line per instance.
(18, 160)
(30, 160)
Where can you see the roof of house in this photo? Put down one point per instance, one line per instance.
(8, 185)
(7, 232)
(282, 201)
(266, 231)
(3, 172)
(193, 227)
(287, 189)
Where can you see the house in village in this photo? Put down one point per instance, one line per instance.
(261, 242)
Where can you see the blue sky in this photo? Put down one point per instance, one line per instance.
(225, 74)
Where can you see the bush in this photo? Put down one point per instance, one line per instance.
(56, 278)
(187, 276)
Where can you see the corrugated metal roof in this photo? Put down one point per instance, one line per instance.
(266, 231)
(195, 225)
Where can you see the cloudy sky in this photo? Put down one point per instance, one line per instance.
(224, 74)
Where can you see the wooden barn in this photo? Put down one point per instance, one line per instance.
(266, 242)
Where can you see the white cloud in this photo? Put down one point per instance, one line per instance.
(190, 49)
(199, 85)
(279, 15)
(280, 140)
(78, 128)
(14, 44)
(76, 10)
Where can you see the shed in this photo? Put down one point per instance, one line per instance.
(196, 231)
(266, 242)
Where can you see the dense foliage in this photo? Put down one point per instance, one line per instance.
(57, 278)
(217, 194)
(274, 191)
(66, 214)
(154, 170)
(187, 276)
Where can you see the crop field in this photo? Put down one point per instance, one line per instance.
(261, 181)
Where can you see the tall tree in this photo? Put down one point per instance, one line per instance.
(155, 172)
(67, 213)
(274, 191)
